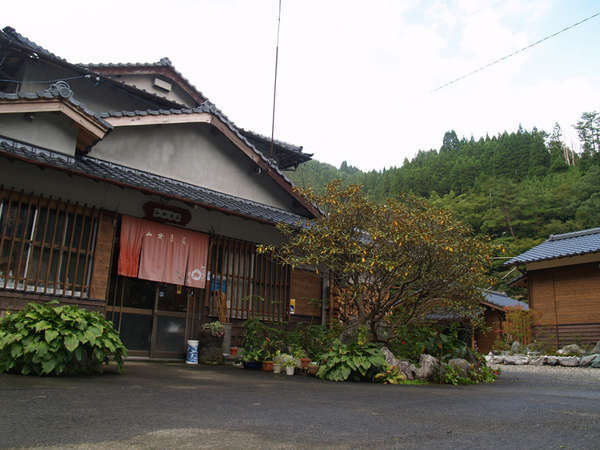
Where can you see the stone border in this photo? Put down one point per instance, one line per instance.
(592, 360)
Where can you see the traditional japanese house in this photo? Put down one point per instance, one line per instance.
(562, 275)
(123, 189)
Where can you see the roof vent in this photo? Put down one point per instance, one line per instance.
(162, 84)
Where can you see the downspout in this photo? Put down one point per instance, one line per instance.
(324, 285)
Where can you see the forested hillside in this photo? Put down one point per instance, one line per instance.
(516, 187)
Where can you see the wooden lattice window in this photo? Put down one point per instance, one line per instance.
(46, 246)
(251, 284)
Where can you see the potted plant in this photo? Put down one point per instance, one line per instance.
(251, 359)
(289, 362)
(210, 350)
(277, 362)
(301, 358)
(313, 368)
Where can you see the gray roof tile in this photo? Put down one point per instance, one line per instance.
(503, 300)
(49, 94)
(560, 246)
(149, 182)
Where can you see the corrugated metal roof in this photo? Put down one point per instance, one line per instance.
(148, 182)
(560, 246)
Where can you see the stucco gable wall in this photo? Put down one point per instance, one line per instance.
(193, 153)
(50, 130)
(146, 82)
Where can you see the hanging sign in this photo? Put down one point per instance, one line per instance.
(166, 213)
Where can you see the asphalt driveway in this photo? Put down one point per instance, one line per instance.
(174, 405)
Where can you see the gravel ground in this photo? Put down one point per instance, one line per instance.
(554, 374)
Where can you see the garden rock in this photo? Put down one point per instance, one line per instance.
(489, 358)
(403, 365)
(462, 366)
(568, 361)
(551, 360)
(498, 359)
(537, 361)
(516, 360)
(428, 367)
(515, 347)
(596, 362)
(596, 349)
(587, 360)
(571, 349)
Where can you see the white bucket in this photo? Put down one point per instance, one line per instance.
(191, 354)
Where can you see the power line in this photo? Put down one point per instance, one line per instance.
(496, 61)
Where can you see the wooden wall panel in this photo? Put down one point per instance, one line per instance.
(103, 255)
(578, 294)
(542, 297)
(306, 286)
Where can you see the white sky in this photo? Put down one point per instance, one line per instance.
(355, 77)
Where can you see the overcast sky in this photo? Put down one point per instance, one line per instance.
(355, 77)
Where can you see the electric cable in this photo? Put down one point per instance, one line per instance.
(504, 58)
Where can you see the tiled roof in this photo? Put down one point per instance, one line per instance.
(287, 155)
(502, 300)
(53, 93)
(560, 246)
(13, 36)
(125, 176)
(163, 62)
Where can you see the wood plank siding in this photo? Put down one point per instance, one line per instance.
(49, 249)
(566, 303)
(306, 289)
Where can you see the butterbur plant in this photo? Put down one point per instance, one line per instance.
(45, 339)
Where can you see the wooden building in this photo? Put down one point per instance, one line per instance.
(123, 189)
(495, 305)
(562, 275)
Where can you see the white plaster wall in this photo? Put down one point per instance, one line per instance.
(146, 82)
(50, 130)
(19, 175)
(194, 154)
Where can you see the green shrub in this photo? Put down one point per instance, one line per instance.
(58, 340)
(357, 362)
(410, 342)
(313, 339)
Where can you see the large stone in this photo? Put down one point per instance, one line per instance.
(516, 347)
(551, 360)
(428, 367)
(489, 358)
(571, 349)
(498, 359)
(587, 361)
(568, 361)
(516, 360)
(462, 366)
(403, 365)
(596, 349)
(537, 360)
(596, 362)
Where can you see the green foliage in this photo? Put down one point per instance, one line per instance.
(45, 339)
(356, 362)
(479, 372)
(216, 328)
(261, 341)
(391, 257)
(410, 342)
(313, 339)
(390, 375)
(517, 187)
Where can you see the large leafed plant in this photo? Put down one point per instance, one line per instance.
(46, 339)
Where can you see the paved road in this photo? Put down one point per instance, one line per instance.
(173, 405)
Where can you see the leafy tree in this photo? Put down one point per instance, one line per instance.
(402, 258)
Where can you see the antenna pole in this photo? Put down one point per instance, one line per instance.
(275, 81)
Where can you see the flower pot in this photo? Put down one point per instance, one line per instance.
(289, 370)
(252, 365)
(298, 364)
(233, 351)
(276, 368)
(267, 366)
(312, 370)
(304, 362)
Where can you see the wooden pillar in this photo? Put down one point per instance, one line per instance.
(103, 255)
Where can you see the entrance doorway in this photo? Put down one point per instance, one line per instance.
(152, 318)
